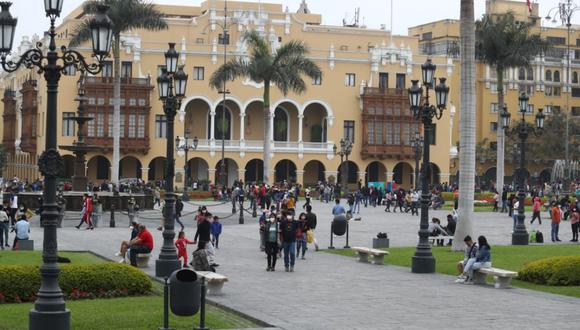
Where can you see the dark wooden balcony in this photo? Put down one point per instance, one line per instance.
(385, 91)
(385, 151)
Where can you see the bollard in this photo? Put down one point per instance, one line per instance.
(241, 218)
(347, 230)
(254, 211)
(202, 307)
(166, 306)
(112, 221)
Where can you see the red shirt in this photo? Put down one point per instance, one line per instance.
(146, 238)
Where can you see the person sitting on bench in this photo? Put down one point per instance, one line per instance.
(125, 245)
(435, 229)
(143, 243)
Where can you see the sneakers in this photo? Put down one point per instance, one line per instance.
(460, 280)
(118, 254)
(291, 268)
(122, 261)
(287, 269)
(316, 247)
(303, 258)
(268, 269)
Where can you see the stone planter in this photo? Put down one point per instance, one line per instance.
(379, 243)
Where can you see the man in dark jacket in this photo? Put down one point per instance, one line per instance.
(311, 224)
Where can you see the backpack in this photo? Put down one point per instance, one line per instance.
(539, 237)
(533, 237)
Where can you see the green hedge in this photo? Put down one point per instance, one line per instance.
(557, 271)
(20, 283)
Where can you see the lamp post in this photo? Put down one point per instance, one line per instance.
(224, 92)
(417, 144)
(423, 260)
(345, 150)
(186, 147)
(522, 130)
(565, 10)
(49, 311)
(171, 79)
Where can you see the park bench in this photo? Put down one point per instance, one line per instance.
(502, 278)
(215, 282)
(364, 253)
(25, 244)
(432, 239)
(143, 260)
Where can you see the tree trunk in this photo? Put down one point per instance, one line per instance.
(500, 170)
(116, 109)
(466, 125)
(267, 133)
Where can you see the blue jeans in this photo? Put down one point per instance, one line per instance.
(301, 243)
(4, 233)
(555, 228)
(515, 217)
(289, 253)
(356, 207)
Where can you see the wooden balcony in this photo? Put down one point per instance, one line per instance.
(373, 91)
(387, 151)
(127, 145)
(124, 81)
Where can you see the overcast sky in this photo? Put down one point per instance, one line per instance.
(373, 13)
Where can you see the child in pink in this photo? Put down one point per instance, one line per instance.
(181, 245)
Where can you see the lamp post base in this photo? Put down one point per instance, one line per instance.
(520, 238)
(166, 267)
(185, 196)
(423, 264)
(38, 320)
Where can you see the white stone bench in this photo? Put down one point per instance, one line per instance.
(215, 282)
(143, 260)
(502, 278)
(25, 244)
(432, 239)
(364, 253)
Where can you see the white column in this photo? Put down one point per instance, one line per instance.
(212, 126)
(242, 123)
(300, 119)
(271, 127)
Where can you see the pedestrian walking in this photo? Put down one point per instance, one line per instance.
(289, 226)
(301, 243)
(271, 235)
(181, 245)
(311, 225)
(556, 218)
(4, 226)
(216, 230)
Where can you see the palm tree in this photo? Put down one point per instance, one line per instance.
(466, 125)
(126, 15)
(504, 43)
(284, 69)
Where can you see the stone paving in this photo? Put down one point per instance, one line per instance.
(328, 291)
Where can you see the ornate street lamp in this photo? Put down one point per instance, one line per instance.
(522, 130)
(423, 260)
(417, 145)
(49, 311)
(171, 85)
(345, 150)
(186, 147)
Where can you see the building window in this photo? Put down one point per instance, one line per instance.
(100, 124)
(527, 89)
(160, 69)
(575, 92)
(574, 77)
(530, 109)
(349, 130)
(556, 40)
(198, 72)
(389, 133)
(126, 69)
(494, 107)
(371, 132)
(548, 75)
(68, 124)
(575, 111)
(122, 125)
(556, 76)
(406, 134)
(383, 80)
(400, 81)
(317, 80)
(396, 134)
(522, 74)
(493, 146)
(379, 132)
(493, 126)
(222, 40)
(530, 74)
(350, 80)
(141, 126)
(132, 126)
(34, 125)
(160, 126)
(91, 128)
(107, 70)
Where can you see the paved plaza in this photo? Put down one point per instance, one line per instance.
(329, 291)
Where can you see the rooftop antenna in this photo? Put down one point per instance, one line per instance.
(355, 20)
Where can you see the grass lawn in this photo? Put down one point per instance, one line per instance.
(120, 313)
(35, 257)
(124, 313)
(506, 257)
(448, 206)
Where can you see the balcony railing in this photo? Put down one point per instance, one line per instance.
(258, 146)
(126, 80)
(385, 91)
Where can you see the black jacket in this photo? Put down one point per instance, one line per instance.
(203, 231)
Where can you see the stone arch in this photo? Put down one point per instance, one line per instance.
(230, 172)
(282, 124)
(99, 168)
(196, 114)
(326, 106)
(315, 122)
(254, 170)
(130, 167)
(433, 174)
(229, 122)
(313, 172)
(403, 175)
(353, 169)
(157, 169)
(198, 169)
(556, 76)
(291, 111)
(285, 171)
(376, 172)
(546, 175)
(254, 120)
(69, 166)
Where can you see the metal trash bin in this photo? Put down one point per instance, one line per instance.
(339, 224)
(184, 292)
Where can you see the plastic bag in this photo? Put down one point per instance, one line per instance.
(309, 236)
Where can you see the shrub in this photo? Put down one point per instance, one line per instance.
(20, 283)
(557, 271)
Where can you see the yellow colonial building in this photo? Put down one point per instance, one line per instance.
(551, 83)
(360, 96)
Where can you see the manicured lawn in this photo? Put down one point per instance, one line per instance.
(486, 208)
(506, 257)
(124, 313)
(120, 313)
(8, 257)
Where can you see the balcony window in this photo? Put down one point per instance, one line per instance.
(100, 124)
(107, 70)
(556, 76)
(349, 130)
(350, 80)
(160, 126)
(132, 126)
(198, 73)
(126, 70)
(400, 81)
(548, 76)
(317, 80)
(68, 124)
(494, 107)
(493, 126)
(141, 126)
